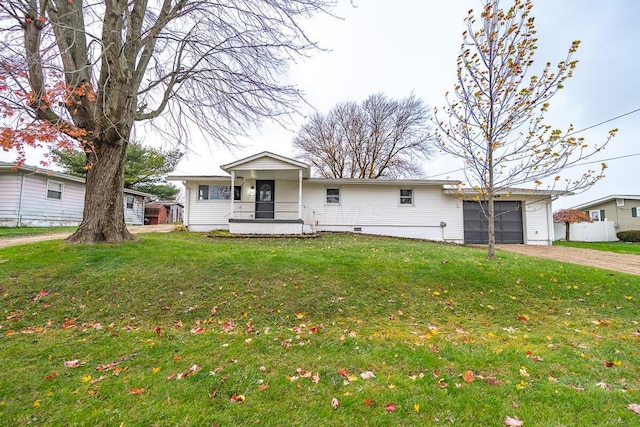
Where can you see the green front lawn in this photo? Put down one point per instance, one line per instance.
(6, 232)
(180, 329)
(620, 247)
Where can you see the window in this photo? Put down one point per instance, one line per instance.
(219, 192)
(333, 196)
(129, 202)
(406, 196)
(634, 212)
(54, 190)
(597, 215)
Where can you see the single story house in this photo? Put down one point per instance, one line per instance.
(271, 194)
(31, 196)
(622, 210)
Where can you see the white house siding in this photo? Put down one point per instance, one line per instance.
(538, 225)
(287, 200)
(376, 209)
(134, 216)
(38, 210)
(265, 164)
(206, 215)
(9, 199)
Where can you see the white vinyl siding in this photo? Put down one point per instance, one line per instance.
(133, 215)
(206, 215)
(9, 199)
(375, 209)
(38, 209)
(287, 200)
(265, 164)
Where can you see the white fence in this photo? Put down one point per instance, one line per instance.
(600, 231)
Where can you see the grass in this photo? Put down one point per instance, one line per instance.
(179, 329)
(619, 247)
(6, 232)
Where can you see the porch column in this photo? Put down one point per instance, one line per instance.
(299, 193)
(233, 181)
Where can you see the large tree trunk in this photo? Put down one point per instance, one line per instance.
(103, 217)
(567, 231)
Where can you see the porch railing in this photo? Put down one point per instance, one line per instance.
(282, 210)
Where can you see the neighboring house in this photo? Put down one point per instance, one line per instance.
(270, 194)
(31, 196)
(622, 210)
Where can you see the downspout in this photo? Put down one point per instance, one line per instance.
(550, 215)
(187, 201)
(19, 224)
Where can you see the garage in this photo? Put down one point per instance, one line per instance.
(508, 222)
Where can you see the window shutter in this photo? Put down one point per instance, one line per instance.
(634, 212)
(602, 218)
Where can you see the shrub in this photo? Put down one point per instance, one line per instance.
(629, 236)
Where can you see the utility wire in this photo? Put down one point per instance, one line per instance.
(573, 133)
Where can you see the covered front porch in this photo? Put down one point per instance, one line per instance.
(267, 195)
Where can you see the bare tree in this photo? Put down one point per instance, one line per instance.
(379, 138)
(496, 112)
(90, 70)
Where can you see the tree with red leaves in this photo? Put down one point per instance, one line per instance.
(569, 216)
(84, 73)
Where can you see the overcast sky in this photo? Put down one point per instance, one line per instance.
(402, 46)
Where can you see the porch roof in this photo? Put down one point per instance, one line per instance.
(267, 165)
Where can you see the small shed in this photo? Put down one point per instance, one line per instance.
(155, 213)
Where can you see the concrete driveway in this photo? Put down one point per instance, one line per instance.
(624, 263)
(136, 229)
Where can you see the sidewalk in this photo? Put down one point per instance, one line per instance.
(135, 229)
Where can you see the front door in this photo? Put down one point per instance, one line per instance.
(265, 198)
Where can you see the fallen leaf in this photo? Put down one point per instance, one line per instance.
(335, 403)
(468, 376)
(391, 407)
(51, 376)
(493, 381)
(416, 407)
(72, 363)
(368, 402)
(343, 373)
(237, 398)
(197, 330)
(634, 407)
(137, 391)
(367, 375)
(512, 422)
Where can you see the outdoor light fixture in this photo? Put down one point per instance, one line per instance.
(252, 190)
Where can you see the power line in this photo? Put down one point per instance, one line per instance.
(606, 121)
(573, 133)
